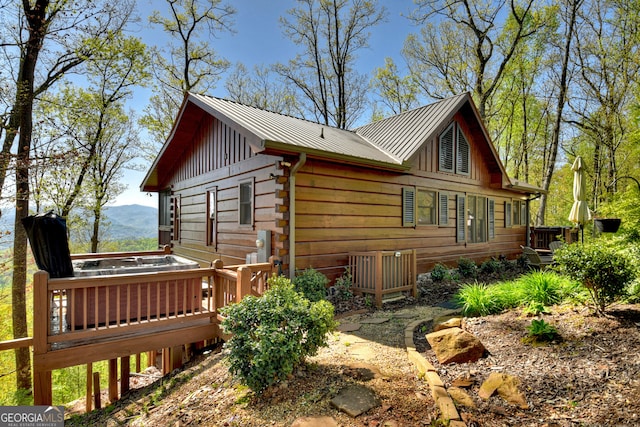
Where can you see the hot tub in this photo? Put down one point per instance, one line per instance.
(129, 265)
(137, 300)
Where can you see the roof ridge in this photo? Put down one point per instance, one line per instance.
(270, 111)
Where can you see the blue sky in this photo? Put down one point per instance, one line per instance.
(258, 40)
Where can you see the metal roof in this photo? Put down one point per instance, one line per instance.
(404, 134)
(389, 143)
(274, 129)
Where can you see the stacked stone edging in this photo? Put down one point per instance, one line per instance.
(427, 371)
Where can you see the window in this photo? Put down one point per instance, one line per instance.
(476, 219)
(492, 219)
(426, 206)
(176, 217)
(212, 232)
(164, 218)
(245, 203)
(516, 212)
(507, 214)
(523, 213)
(454, 151)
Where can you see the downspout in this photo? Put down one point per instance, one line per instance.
(292, 214)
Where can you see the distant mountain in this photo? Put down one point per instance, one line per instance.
(131, 222)
(123, 222)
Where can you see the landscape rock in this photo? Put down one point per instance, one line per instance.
(355, 400)
(315, 422)
(507, 386)
(446, 323)
(453, 345)
(461, 397)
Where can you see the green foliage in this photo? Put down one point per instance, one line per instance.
(633, 292)
(491, 266)
(534, 291)
(603, 271)
(271, 335)
(476, 300)
(343, 285)
(312, 284)
(626, 206)
(542, 287)
(439, 273)
(467, 267)
(541, 331)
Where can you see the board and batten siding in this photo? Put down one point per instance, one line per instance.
(218, 160)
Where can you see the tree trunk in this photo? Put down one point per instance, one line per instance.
(550, 167)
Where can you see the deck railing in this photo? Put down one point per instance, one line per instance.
(383, 272)
(80, 320)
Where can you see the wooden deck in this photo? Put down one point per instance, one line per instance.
(81, 320)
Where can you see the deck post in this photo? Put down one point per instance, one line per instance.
(42, 394)
(96, 390)
(243, 285)
(113, 380)
(378, 280)
(89, 388)
(125, 370)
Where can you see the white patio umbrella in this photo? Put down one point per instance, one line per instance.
(580, 212)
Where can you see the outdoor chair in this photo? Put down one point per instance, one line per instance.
(555, 245)
(535, 259)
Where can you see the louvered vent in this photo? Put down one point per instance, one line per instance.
(492, 219)
(408, 207)
(446, 150)
(461, 218)
(463, 154)
(443, 206)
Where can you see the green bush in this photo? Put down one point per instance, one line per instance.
(273, 334)
(343, 285)
(439, 273)
(542, 287)
(602, 270)
(467, 267)
(490, 266)
(476, 299)
(312, 284)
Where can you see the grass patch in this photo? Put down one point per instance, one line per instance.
(533, 291)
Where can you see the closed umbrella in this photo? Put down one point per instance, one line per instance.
(580, 212)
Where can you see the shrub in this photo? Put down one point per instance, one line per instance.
(509, 294)
(541, 331)
(271, 335)
(603, 271)
(343, 285)
(476, 300)
(467, 267)
(490, 266)
(542, 287)
(439, 273)
(312, 284)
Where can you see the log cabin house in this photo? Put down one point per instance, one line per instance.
(235, 180)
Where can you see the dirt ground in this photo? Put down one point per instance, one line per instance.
(589, 377)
